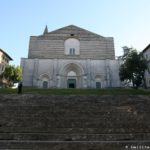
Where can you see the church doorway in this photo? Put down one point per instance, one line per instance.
(71, 79)
(71, 76)
(98, 85)
(43, 81)
(45, 84)
(71, 83)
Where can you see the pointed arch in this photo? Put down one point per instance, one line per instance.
(72, 73)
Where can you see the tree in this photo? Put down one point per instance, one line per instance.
(17, 74)
(133, 68)
(11, 74)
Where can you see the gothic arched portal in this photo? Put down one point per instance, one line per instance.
(71, 76)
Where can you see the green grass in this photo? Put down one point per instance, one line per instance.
(77, 91)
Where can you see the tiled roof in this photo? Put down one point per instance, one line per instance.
(6, 54)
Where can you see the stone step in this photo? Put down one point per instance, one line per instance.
(58, 121)
(74, 130)
(107, 125)
(47, 113)
(58, 110)
(73, 145)
(67, 112)
(74, 122)
(73, 137)
(69, 120)
(99, 110)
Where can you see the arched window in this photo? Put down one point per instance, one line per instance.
(72, 46)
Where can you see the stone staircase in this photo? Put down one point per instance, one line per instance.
(29, 122)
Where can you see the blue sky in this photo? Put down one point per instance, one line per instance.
(128, 21)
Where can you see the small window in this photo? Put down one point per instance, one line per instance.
(2, 67)
(72, 51)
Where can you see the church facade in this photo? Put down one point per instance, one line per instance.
(71, 57)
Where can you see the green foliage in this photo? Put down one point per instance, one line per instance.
(18, 74)
(11, 74)
(133, 68)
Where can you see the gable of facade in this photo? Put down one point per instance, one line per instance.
(71, 42)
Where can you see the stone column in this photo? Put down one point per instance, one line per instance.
(88, 71)
(35, 72)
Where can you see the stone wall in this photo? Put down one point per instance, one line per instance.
(106, 71)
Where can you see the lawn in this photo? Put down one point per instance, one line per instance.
(77, 91)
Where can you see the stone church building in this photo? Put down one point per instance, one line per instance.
(70, 57)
